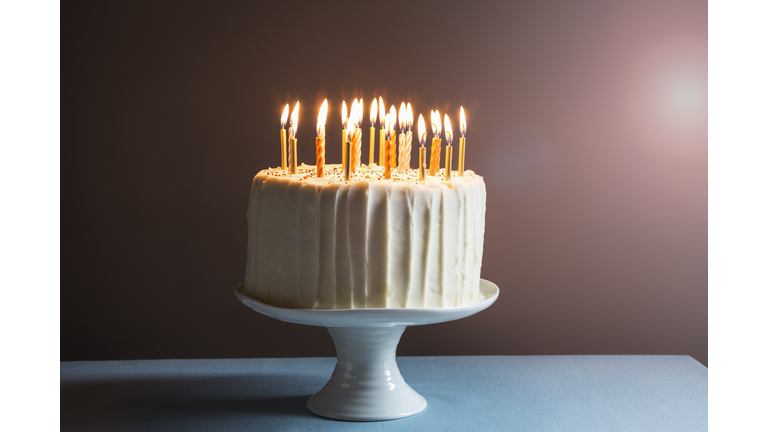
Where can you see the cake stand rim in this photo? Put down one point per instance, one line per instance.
(373, 317)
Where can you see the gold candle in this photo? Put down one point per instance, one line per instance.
(448, 155)
(381, 147)
(347, 149)
(394, 138)
(295, 155)
(344, 122)
(422, 150)
(292, 139)
(434, 154)
(283, 156)
(344, 149)
(401, 146)
(448, 148)
(347, 156)
(422, 163)
(371, 145)
(462, 140)
(283, 120)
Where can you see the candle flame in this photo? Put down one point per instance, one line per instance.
(359, 116)
(462, 123)
(448, 130)
(382, 113)
(437, 129)
(284, 118)
(422, 131)
(409, 116)
(360, 113)
(387, 128)
(321, 119)
(402, 115)
(353, 113)
(350, 127)
(295, 119)
(393, 114)
(374, 111)
(343, 114)
(432, 121)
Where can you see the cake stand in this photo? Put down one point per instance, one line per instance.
(366, 384)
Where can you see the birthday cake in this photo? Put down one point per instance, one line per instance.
(370, 242)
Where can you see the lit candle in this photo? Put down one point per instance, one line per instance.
(382, 127)
(293, 155)
(392, 154)
(374, 109)
(462, 141)
(422, 149)
(359, 125)
(343, 135)
(405, 155)
(320, 140)
(356, 114)
(388, 146)
(401, 146)
(283, 156)
(434, 154)
(348, 149)
(448, 148)
(351, 131)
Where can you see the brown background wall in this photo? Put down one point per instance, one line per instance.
(587, 119)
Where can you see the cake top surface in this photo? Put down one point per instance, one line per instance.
(334, 173)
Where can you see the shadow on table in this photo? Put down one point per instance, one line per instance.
(180, 402)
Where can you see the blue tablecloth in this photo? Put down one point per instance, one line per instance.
(530, 393)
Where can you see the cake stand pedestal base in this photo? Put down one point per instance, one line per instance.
(366, 384)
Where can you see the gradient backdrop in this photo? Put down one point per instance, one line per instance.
(587, 119)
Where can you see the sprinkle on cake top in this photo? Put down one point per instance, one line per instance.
(333, 173)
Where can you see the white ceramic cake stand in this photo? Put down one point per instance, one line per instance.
(366, 384)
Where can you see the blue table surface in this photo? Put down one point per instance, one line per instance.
(476, 393)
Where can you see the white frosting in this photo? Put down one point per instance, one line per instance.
(371, 242)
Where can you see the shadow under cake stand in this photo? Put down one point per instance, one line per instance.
(366, 384)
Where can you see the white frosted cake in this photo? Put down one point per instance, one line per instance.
(372, 242)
